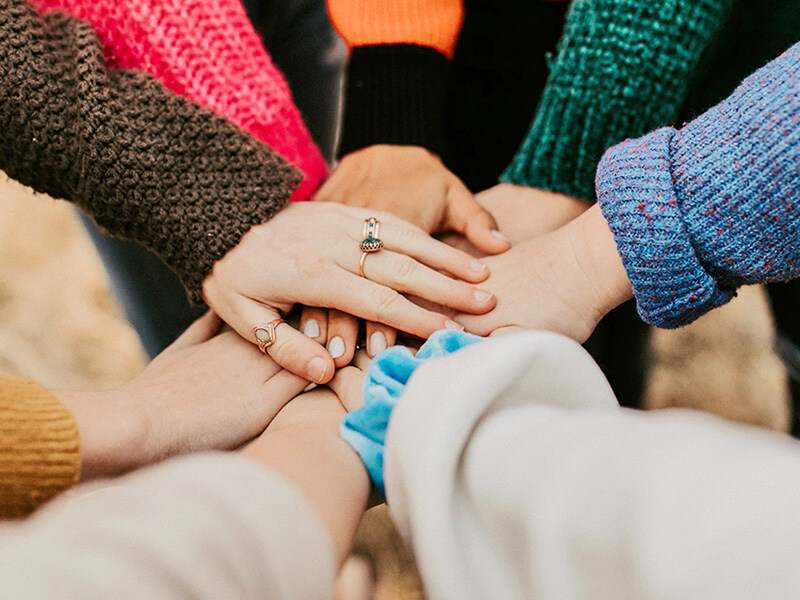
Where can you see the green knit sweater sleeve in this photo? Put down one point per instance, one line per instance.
(621, 69)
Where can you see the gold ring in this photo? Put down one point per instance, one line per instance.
(265, 334)
(370, 243)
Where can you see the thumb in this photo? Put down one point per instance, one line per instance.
(291, 349)
(466, 216)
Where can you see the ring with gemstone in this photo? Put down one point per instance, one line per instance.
(371, 242)
(265, 334)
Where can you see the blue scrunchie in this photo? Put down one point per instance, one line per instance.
(365, 429)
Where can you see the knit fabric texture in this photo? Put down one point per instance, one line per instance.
(621, 69)
(388, 374)
(144, 163)
(396, 82)
(207, 51)
(429, 23)
(700, 211)
(39, 447)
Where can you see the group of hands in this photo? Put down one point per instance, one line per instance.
(505, 258)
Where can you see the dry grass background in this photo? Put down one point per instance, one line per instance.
(60, 325)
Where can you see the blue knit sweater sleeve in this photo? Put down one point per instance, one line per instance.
(699, 211)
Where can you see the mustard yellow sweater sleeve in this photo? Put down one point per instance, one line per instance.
(39, 447)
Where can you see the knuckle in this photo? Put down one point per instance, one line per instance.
(405, 269)
(384, 300)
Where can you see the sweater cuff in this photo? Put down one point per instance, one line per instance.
(395, 94)
(39, 447)
(636, 194)
(563, 145)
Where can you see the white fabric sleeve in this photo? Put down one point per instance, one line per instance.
(513, 474)
(208, 526)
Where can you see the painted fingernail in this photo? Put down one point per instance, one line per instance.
(499, 235)
(336, 347)
(377, 343)
(317, 367)
(453, 325)
(482, 296)
(311, 328)
(478, 266)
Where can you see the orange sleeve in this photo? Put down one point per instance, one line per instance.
(430, 23)
(39, 447)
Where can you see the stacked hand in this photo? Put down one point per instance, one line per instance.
(309, 254)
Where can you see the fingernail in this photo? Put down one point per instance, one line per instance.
(336, 347)
(310, 387)
(317, 367)
(499, 235)
(482, 296)
(377, 343)
(311, 328)
(478, 266)
(453, 325)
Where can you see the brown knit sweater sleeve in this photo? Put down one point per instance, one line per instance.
(146, 164)
(39, 447)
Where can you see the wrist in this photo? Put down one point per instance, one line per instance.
(597, 257)
(112, 430)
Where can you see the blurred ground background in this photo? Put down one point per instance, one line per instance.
(60, 325)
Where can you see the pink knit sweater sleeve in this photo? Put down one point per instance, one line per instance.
(208, 52)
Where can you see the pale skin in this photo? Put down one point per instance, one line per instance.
(522, 214)
(564, 281)
(411, 183)
(303, 444)
(309, 254)
(207, 391)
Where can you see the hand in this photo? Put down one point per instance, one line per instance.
(523, 213)
(309, 253)
(413, 184)
(563, 281)
(208, 390)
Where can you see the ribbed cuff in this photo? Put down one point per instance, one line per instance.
(395, 94)
(636, 194)
(563, 145)
(39, 447)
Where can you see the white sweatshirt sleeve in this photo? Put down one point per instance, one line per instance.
(513, 474)
(212, 526)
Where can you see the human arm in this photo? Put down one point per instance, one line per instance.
(620, 70)
(393, 134)
(275, 520)
(541, 487)
(153, 167)
(210, 54)
(687, 216)
(51, 439)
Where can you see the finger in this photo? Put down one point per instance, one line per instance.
(466, 216)
(368, 300)
(404, 274)
(402, 237)
(202, 330)
(347, 384)
(379, 338)
(314, 324)
(279, 389)
(342, 337)
(291, 350)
